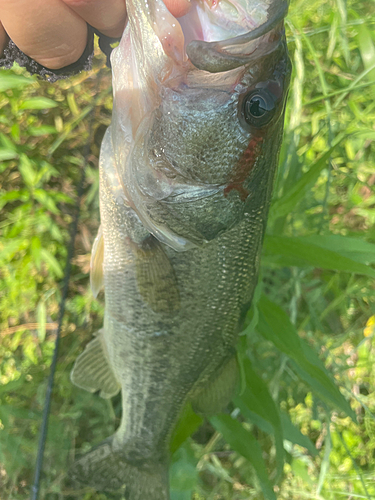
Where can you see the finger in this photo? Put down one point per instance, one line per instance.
(178, 8)
(108, 16)
(46, 30)
(3, 38)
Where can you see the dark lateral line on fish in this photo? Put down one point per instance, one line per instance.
(244, 167)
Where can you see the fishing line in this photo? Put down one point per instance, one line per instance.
(65, 288)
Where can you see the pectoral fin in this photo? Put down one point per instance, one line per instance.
(215, 396)
(96, 264)
(92, 370)
(156, 279)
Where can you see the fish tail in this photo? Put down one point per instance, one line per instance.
(106, 469)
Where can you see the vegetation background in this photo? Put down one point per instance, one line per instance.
(303, 424)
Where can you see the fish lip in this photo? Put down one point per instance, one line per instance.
(220, 56)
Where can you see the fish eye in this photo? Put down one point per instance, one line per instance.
(258, 107)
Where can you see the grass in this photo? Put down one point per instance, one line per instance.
(303, 437)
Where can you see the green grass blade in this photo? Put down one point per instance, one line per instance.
(257, 397)
(8, 80)
(288, 202)
(295, 436)
(302, 251)
(275, 326)
(38, 103)
(244, 443)
(188, 423)
(325, 462)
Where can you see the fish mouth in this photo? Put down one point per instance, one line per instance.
(236, 51)
(221, 35)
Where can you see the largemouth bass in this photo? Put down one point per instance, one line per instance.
(186, 174)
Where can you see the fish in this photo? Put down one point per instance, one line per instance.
(186, 174)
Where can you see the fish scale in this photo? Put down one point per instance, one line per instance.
(186, 174)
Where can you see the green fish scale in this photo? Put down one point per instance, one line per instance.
(159, 358)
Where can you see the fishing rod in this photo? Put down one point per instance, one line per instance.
(65, 288)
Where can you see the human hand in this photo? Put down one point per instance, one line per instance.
(54, 32)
